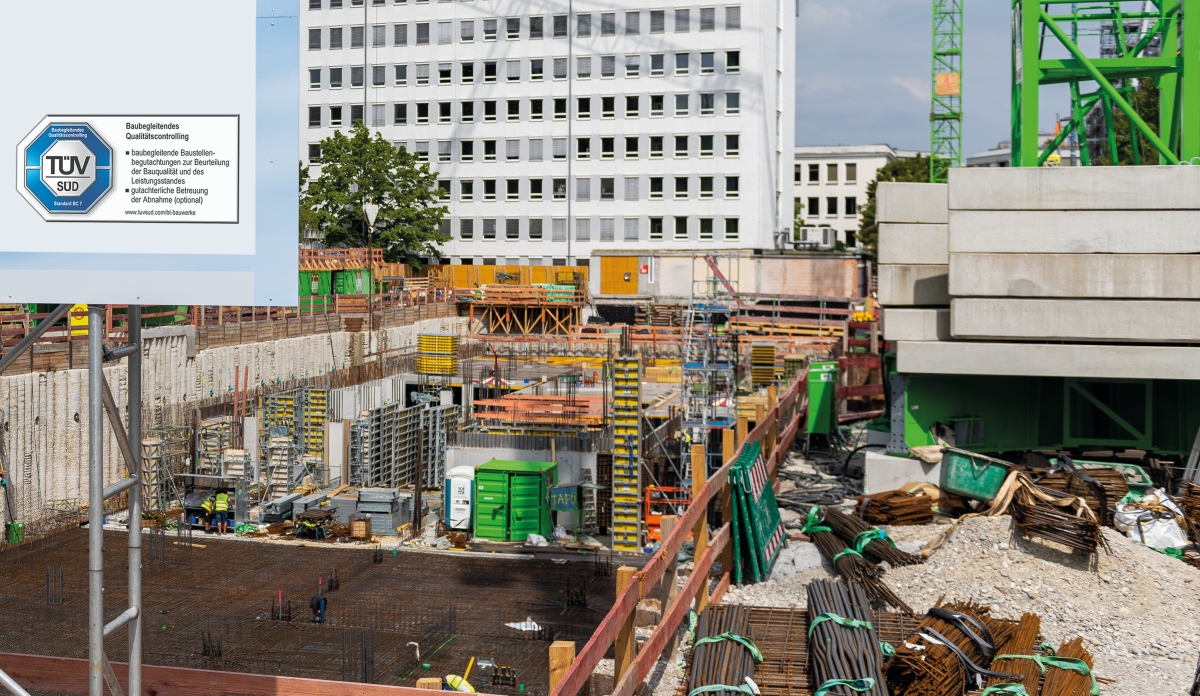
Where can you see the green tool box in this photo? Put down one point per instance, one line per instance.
(972, 475)
(512, 499)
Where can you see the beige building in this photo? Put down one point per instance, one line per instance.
(831, 182)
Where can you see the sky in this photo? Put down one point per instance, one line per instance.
(863, 74)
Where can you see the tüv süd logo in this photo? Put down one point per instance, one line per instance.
(68, 168)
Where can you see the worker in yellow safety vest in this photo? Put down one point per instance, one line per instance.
(222, 512)
(457, 683)
(208, 506)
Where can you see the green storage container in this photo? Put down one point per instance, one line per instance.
(352, 282)
(316, 283)
(972, 475)
(512, 499)
(822, 397)
(14, 532)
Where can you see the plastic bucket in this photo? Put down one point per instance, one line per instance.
(972, 475)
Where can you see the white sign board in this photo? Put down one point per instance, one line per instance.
(163, 173)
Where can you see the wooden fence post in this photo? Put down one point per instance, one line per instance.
(670, 581)
(700, 531)
(625, 638)
(562, 654)
(773, 429)
(743, 427)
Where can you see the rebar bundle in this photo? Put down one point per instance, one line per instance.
(1100, 487)
(949, 652)
(1056, 516)
(1020, 643)
(895, 507)
(843, 644)
(867, 540)
(850, 564)
(1189, 502)
(722, 661)
(1069, 682)
(54, 584)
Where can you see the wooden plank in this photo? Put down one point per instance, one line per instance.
(562, 654)
(670, 580)
(69, 675)
(623, 650)
(700, 531)
(722, 586)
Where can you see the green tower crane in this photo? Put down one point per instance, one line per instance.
(945, 114)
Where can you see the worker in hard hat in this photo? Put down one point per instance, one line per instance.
(208, 506)
(457, 683)
(222, 512)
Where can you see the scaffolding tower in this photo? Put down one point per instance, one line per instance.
(709, 360)
(945, 113)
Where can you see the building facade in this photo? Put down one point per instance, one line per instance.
(830, 182)
(564, 128)
(1066, 155)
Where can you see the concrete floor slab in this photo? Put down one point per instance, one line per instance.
(1151, 321)
(1151, 276)
(1074, 188)
(1048, 359)
(913, 243)
(909, 285)
(1074, 231)
(909, 202)
(884, 472)
(912, 324)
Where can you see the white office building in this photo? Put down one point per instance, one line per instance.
(565, 128)
(831, 182)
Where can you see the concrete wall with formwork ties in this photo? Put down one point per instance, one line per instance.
(44, 415)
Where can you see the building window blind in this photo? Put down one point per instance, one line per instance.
(633, 22)
(583, 189)
(631, 229)
(733, 20)
(631, 188)
(607, 229)
(558, 226)
(583, 229)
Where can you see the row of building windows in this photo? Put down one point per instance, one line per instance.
(680, 229)
(516, 28)
(831, 173)
(813, 209)
(633, 106)
(683, 187)
(515, 70)
(536, 151)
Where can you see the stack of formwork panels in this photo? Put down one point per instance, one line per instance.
(913, 260)
(312, 410)
(279, 510)
(382, 506)
(308, 502)
(627, 441)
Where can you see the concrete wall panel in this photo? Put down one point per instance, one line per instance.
(1075, 320)
(883, 472)
(1074, 188)
(903, 324)
(1151, 276)
(909, 243)
(907, 285)
(1075, 231)
(905, 202)
(1048, 360)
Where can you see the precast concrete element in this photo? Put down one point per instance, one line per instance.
(883, 472)
(1151, 321)
(914, 203)
(1132, 276)
(1074, 231)
(1073, 188)
(908, 243)
(1048, 360)
(905, 324)
(909, 285)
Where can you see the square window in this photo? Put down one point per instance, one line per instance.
(468, 111)
(631, 147)
(443, 112)
(560, 26)
(466, 73)
(335, 115)
(656, 147)
(489, 190)
(731, 229)
(536, 69)
(512, 150)
(733, 107)
(466, 30)
(608, 66)
(681, 230)
(489, 30)
(489, 111)
(851, 208)
(422, 73)
(708, 63)
(422, 33)
(489, 151)
(608, 189)
(535, 224)
(631, 188)
(560, 109)
(489, 227)
(733, 17)
(466, 151)
(583, 25)
(356, 37)
(584, 109)
(558, 232)
(400, 34)
(731, 145)
(489, 71)
(422, 113)
(631, 107)
(314, 39)
(583, 148)
(731, 187)
(706, 145)
(466, 229)
(681, 187)
(335, 38)
(706, 229)
(535, 191)
(514, 109)
(608, 24)
(733, 62)
(633, 22)
(813, 209)
(814, 173)
(314, 78)
(607, 229)
(708, 103)
(512, 28)
(683, 21)
(657, 64)
(314, 117)
(656, 188)
(512, 190)
(444, 152)
(583, 189)
(656, 105)
(656, 229)
(831, 173)
(851, 173)
(356, 76)
(708, 18)
(535, 109)
(831, 206)
(399, 114)
(583, 229)
(681, 146)
(560, 68)
(658, 21)
(608, 148)
(559, 187)
(401, 75)
(314, 152)
(583, 67)
(681, 105)
(335, 78)
(608, 107)
(514, 70)
(681, 63)
(445, 75)
(560, 148)
(633, 64)
(445, 32)
(631, 229)
(356, 113)
(536, 28)
(421, 150)
(444, 192)
(535, 149)
(706, 187)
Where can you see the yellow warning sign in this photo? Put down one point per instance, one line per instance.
(81, 321)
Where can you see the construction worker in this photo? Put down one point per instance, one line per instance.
(222, 512)
(457, 683)
(317, 605)
(208, 506)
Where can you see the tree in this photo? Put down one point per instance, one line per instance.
(1145, 104)
(914, 170)
(359, 169)
(307, 218)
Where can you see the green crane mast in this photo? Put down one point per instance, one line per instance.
(945, 114)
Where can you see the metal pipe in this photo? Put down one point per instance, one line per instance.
(125, 617)
(122, 351)
(119, 486)
(114, 418)
(133, 333)
(12, 685)
(34, 335)
(95, 501)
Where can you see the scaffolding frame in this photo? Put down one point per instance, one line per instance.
(709, 355)
(166, 452)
